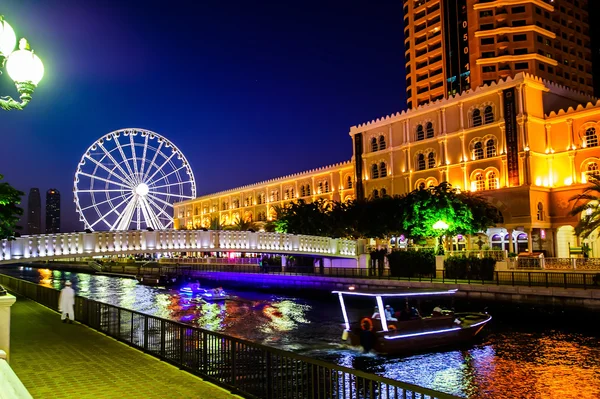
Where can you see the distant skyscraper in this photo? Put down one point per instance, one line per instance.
(34, 212)
(52, 211)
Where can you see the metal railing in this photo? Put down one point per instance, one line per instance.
(513, 278)
(249, 369)
(498, 255)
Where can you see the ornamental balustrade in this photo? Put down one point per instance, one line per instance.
(556, 264)
(498, 255)
(127, 242)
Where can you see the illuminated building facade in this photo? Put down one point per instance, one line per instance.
(257, 202)
(454, 45)
(34, 212)
(52, 211)
(528, 145)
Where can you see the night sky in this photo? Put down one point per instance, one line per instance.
(247, 90)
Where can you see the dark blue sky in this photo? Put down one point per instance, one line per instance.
(247, 90)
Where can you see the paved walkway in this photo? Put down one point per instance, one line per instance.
(56, 360)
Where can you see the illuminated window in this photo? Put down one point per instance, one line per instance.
(326, 186)
(488, 115)
(429, 129)
(349, 182)
(236, 203)
(592, 171)
(224, 206)
(492, 181)
(478, 150)
(479, 182)
(292, 192)
(320, 188)
(490, 148)
(420, 133)
(308, 192)
(421, 162)
(540, 211)
(431, 160)
(382, 169)
(381, 143)
(374, 171)
(262, 216)
(261, 198)
(477, 117)
(383, 192)
(302, 191)
(591, 139)
(287, 194)
(373, 144)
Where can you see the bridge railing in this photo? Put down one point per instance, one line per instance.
(114, 242)
(247, 368)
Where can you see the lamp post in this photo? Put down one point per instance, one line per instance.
(23, 66)
(440, 226)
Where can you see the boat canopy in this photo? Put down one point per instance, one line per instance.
(393, 293)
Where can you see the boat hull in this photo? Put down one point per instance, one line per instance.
(419, 335)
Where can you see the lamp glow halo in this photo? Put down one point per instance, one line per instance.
(129, 179)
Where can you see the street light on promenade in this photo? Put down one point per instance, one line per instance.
(440, 226)
(23, 66)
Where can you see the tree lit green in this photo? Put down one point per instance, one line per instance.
(10, 213)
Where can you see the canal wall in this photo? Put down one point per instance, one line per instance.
(556, 297)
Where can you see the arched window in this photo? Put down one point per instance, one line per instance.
(420, 133)
(477, 117)
(431, 160)
(308, 192)
(480, 182)
(292, 192)
(488, 115)
(592, 171)
(382, 142)
(320, 188)
(349, 182)
(540, 211)
(373, 144)
(383, 192)
(375, 193)
(374, 171)
(326, 186)
(591, 139)
(287, 194)
(421, 162)
(492, 182)
(302, 191)
(382, 169)
(261, 198)
(429, 130)
(478, 150)
(490, 148)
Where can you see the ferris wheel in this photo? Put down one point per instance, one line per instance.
(129, 179)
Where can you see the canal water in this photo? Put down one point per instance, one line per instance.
(524, 352)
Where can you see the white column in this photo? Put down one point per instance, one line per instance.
(548, 138)
(444, 121)
(462, 118)
(439, 124)
(571, 136)
(6, 302)
(501, 103)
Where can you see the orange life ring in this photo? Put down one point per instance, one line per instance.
(392, 327)
(366, 324)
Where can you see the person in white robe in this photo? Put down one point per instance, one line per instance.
(66, 303)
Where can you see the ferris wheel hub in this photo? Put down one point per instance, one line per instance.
(142, 189)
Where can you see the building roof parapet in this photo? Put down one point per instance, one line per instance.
(570, 110)
(501, 84)
(274, 180)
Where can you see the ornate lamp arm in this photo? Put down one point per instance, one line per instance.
(25, 89)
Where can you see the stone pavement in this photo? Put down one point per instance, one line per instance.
(56, 360)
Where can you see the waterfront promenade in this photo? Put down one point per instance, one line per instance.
(56, 360)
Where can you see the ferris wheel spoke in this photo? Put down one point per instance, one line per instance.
(151, 216)
(162, 166)
(161, 210)
(124, 219)
(134, 156)
(126, 161)
(117, 165)
(138, 221)
(111, 172)
(169, 174)
(172, 184)
(100, 191)
(184, 197)
(152, 163)
(113, 210)
(143, 160)
(105, 180)
(101, 203)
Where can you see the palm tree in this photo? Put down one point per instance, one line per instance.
(589, 202)
(215, 224)
(241, 224)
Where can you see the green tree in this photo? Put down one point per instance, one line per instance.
(215, 224)
(10, 213)
(588, 204)
(241, 224)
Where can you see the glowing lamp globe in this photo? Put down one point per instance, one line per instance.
(8, 39)
(440, 225)
(24, 66)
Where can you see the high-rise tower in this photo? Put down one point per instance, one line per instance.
(52, 211)
(34, 212)
(454, 45)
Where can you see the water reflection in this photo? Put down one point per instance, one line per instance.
(517, 358)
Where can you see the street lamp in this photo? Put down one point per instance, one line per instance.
(23, 66)
(440, 226)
